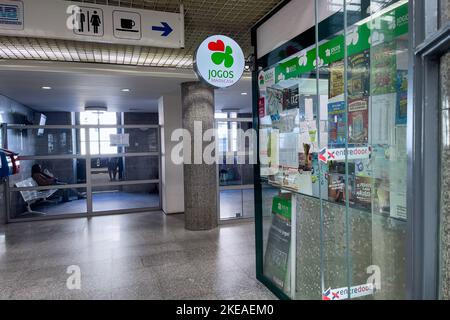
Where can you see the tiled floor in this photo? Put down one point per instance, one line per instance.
(138, 256)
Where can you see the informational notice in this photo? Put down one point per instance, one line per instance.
(279, 243)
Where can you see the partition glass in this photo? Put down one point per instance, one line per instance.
(83, 169)
(332, 120)
(235, 171)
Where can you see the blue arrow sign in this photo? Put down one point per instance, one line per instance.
(165, 29)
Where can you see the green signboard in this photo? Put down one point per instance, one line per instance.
(382, 29)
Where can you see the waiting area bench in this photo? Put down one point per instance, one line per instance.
(33, 196)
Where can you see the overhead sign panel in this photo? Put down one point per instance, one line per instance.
(58, 19)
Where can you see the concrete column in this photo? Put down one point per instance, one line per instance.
(200, 180)
(170, 114)
(445, 176)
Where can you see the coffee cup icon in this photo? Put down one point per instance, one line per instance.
(127, 24)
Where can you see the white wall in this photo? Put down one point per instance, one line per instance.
(293, 19)
(170, 118)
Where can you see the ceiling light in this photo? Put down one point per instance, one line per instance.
(46, 88)
(95, 108)
(125, 90)
(244, 93)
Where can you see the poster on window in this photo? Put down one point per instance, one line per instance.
(276, 260)
(401, 115)
(384, 69)
(358, 121)
(274, 102)
(359, 75)
(336, 125)
(336, 87)
(119, 140)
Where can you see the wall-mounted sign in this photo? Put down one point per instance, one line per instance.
(11, 15)
(58, 19)
(219, 61)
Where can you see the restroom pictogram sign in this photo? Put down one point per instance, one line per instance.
(90, 22)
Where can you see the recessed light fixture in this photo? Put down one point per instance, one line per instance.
(46, 88)
(96, 108)
(244, 93)
(125, 90)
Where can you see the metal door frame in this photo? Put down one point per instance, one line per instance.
(88, 185)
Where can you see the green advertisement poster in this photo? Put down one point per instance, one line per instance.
(282, 206)
(276, 260)
(382, 29)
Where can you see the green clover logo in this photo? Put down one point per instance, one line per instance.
(222, 54)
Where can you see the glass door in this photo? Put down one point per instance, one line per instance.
(235, 171)
(124, 163)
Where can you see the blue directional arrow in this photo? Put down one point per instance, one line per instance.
(165, 29)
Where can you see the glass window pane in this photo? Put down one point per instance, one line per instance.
(142, 140)
(333, 118)
(116, 169)
(125, 197)
(66, 171)
(230, 204)
(30, 142)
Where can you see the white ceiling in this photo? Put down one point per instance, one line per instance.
(76, 85)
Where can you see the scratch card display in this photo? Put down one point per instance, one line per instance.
(401, 115)
(274, 101)
(291, 98)
(359, 75)
(336, 124)
(358, 121)
(363, 193)
(336, 87)
(384, 69)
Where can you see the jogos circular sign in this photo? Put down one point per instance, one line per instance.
(219, 61)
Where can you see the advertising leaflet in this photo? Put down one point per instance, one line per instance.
(384, 69)
(401, 114)
(274, 102)
(336, 87)
(336, 124)
(276, 260)
(291, 98)
(359, 75)
(358, 121)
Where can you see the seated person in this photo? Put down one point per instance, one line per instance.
(45, 179)
(41, 178)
